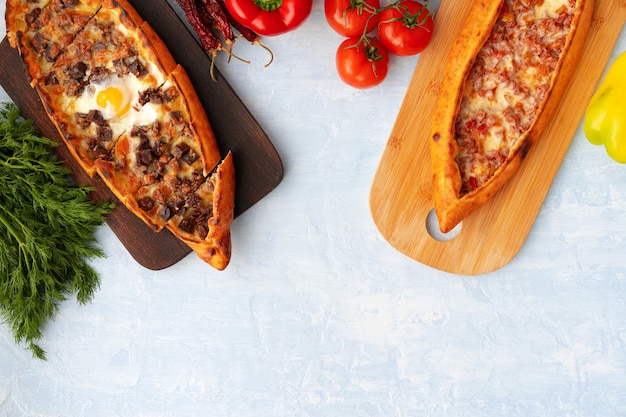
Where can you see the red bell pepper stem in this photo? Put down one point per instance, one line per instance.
(268, 5)
(270, 17)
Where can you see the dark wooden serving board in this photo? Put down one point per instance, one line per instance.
(257, 163)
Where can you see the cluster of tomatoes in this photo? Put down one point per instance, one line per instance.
(402, 28)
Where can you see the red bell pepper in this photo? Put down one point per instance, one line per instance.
(270, 17)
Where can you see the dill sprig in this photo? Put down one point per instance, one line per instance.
(47, 226)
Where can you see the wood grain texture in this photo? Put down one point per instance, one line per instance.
(401, 192)
(257, 163)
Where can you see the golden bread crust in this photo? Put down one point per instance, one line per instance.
(160, 52)
(128, 16)
(216, 248)
(198, 119)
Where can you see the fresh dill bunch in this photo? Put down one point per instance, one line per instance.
(47, 226)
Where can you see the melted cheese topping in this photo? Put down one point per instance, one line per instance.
(550, 8)
(508, 81)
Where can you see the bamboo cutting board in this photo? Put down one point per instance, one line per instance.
(401, 193)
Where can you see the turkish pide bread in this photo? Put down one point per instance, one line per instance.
(129, 114)
(504, 78)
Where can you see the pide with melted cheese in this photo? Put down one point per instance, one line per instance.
(129, 113)
(505, 75)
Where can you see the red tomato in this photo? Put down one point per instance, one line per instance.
(405, 28)
(270, 17)
(362, 63)
(349, 17)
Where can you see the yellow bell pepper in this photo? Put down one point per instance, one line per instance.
(605, 118)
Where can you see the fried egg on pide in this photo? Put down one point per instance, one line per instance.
(112, 97)
(117, 99)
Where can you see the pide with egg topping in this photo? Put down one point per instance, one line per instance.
(129, 113)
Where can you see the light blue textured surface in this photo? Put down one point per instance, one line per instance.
(318, 316)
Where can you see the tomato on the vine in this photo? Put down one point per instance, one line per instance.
(350, 17)
(405, 28)
(362, 62)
